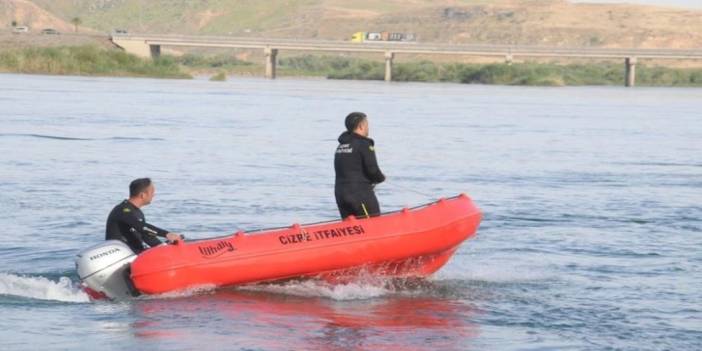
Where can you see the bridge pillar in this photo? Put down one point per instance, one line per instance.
(271, 59)
(135, 47)
(630, 64)
(389, 55)
(155, 51)
(509, 59)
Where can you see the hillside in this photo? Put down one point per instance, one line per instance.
(529, 22)
(27, 13)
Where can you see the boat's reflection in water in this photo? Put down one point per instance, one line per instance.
(260, 320)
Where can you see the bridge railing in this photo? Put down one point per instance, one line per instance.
(148, 45)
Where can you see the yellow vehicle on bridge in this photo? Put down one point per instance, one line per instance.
(358, 37)
(363, 37)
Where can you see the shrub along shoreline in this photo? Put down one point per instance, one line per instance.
(528, 74)
(91, 60)
(88, 60)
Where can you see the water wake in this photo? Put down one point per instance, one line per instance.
(41, 288)
(316, 288)
(499, 273)
(41, 136)
(65, 138)
(192, 291)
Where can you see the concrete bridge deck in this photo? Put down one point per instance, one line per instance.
(150, 46)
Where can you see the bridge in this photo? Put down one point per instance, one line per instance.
(149, 46)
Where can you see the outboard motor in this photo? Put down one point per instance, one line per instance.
(104, 270)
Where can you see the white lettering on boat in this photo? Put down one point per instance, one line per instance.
(324, 234)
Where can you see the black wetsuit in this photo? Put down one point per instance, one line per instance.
(126, 223)
(357, 172)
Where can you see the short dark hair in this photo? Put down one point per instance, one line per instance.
(137, 186)
(353, 120)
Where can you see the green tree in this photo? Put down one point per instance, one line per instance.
(14, 23)
(76, 22)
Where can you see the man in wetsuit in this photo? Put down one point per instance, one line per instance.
(126, 222)
(356, 169)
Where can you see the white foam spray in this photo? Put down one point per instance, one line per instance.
(315, 288)
(41, 288)
(191, 291)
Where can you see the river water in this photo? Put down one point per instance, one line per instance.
(592, 200)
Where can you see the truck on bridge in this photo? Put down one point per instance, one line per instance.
(369, 37)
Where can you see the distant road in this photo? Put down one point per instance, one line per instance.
(409, 47)
(8, 40)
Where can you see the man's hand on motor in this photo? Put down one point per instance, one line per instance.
(173, 237)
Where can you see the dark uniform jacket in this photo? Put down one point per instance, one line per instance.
(355, 161)
(126, 223)
(357, 172)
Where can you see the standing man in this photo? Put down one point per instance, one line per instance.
(126, 222)
(356, 169)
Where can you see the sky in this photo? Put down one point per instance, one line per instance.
(697, 4)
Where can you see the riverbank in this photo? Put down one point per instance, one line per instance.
(528, 73)
(88, 60)
(97, 61)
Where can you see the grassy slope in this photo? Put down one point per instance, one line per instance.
(545, 22)
(214, 16)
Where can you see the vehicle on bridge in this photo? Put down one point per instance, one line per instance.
(49, 31)
(20, 29)
(370, 37)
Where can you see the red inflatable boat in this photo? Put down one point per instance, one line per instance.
(408, 243)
